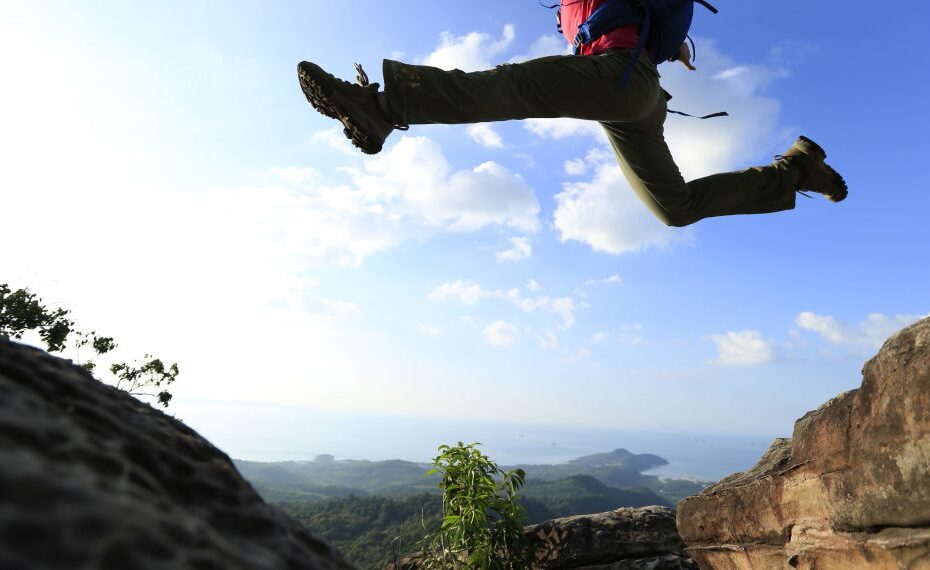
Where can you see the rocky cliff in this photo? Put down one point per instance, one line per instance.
(850, 489)
(92, 478)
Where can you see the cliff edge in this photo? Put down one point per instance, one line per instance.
(850, 489)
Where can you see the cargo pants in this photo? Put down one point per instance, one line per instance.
(588, 87)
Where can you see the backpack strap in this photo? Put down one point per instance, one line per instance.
(640, 46)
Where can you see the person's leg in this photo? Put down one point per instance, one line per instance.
(583, 87)
(651, 171)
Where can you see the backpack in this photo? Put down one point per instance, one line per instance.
(664, 25)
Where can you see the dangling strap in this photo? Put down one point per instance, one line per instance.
(711, 116)
(707, 5)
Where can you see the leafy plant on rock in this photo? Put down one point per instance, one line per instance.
(22, 312)
(482, 523)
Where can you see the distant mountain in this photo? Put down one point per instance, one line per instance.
(326, 478)
(621, 457)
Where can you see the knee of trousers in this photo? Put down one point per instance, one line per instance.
(675, 219)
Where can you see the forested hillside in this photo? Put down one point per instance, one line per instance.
(372, 510)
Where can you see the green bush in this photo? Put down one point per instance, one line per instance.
(482, 523)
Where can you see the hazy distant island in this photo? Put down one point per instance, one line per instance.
(372, 509)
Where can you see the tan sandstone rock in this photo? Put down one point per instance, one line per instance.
(850, 489)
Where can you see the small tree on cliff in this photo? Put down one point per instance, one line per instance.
(22, 312)
(482, 524)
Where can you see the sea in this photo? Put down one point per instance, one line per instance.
(275, 433)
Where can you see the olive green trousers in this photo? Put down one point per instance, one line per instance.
(588, 87)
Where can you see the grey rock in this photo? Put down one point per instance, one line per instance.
(92, 478)
(634, 539)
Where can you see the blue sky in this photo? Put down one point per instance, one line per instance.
(164, 178)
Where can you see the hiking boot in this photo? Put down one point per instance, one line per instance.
(816, 175)
(354, 105)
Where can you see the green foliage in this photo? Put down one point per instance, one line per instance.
(21, 312)
(370, 531)
(482, 522)
(150, 374)
(583, 494)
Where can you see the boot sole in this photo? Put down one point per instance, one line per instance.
(319, 96)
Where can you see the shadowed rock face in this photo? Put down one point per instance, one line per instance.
(850, 489)
(92, 478)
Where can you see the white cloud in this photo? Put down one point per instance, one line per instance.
(296, 175)
(415, 173)
(341, 307)
(580, 354)
(599, 337)
(485, 135)
(565, 308)
(543, 46)
(472, 52)
(520, 248)
(612, 280)
(563, 127)
(409, 191)
(500, 333)
(575, 167)
(336, 140)
(428, 330)
(605, 214)
(744, 348)
(630, 335)
(548, 341)
(533, 286)
(470, 294)
(870, 333)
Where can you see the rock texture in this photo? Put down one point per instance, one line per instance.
(850, 489)
(623, 539)
(92, 478)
